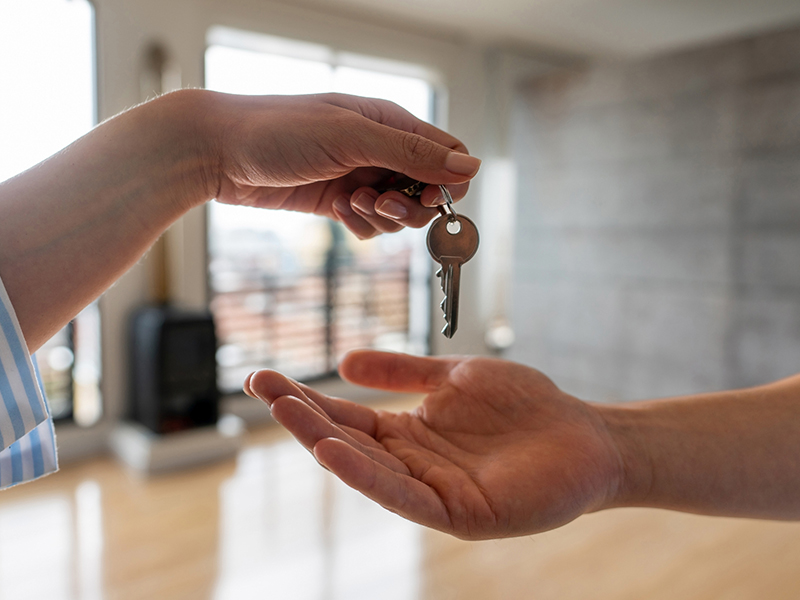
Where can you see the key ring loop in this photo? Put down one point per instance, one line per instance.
(447, 209)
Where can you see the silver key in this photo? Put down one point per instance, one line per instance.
(452, 240)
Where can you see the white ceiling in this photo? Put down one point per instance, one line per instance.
(588, 27)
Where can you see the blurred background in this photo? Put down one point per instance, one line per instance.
(639, 210)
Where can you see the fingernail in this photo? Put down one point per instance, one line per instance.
(438, 200)
(342, 206)
(462, 164)
(392, 209)
(246, 385)
(365, 203)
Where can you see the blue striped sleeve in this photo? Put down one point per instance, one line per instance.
(27, 436)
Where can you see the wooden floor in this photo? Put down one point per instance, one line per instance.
(273, 524)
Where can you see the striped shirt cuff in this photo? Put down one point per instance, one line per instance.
(27, 437)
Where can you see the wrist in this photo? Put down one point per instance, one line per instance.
(625, 426)
(203, 122)
(184, 150)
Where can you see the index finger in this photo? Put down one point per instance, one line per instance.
(391, 114)
(268, 385)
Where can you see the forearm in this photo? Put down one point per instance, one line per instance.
(730, 453)
(72, 225)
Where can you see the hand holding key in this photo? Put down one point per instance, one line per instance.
(326, 154)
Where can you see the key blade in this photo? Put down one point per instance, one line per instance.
(451, 291)
(446, 304)
(453, 287)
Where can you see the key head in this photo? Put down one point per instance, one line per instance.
(454, 238)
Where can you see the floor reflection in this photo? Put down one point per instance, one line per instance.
(274, 525)
(290, 530)
(51, 546)
(89, 540)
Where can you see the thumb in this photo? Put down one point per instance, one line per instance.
(395, 372)
(415, 155)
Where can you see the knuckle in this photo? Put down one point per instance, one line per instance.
(383, 108)
(417, 148)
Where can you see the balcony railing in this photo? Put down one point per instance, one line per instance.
(302, 324)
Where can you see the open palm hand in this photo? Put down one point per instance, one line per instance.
(495, 449)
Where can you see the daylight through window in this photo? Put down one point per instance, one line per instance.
(292, 291)
(47, 101)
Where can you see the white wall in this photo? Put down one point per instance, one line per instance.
(659, 224)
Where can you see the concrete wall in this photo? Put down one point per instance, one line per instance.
(658, 238)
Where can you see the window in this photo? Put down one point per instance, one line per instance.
(292, 291)
(47, 101)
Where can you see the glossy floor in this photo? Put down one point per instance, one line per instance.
(273, 524)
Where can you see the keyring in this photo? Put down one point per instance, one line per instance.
(447, 209)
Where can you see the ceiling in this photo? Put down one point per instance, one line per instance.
(585, 27)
